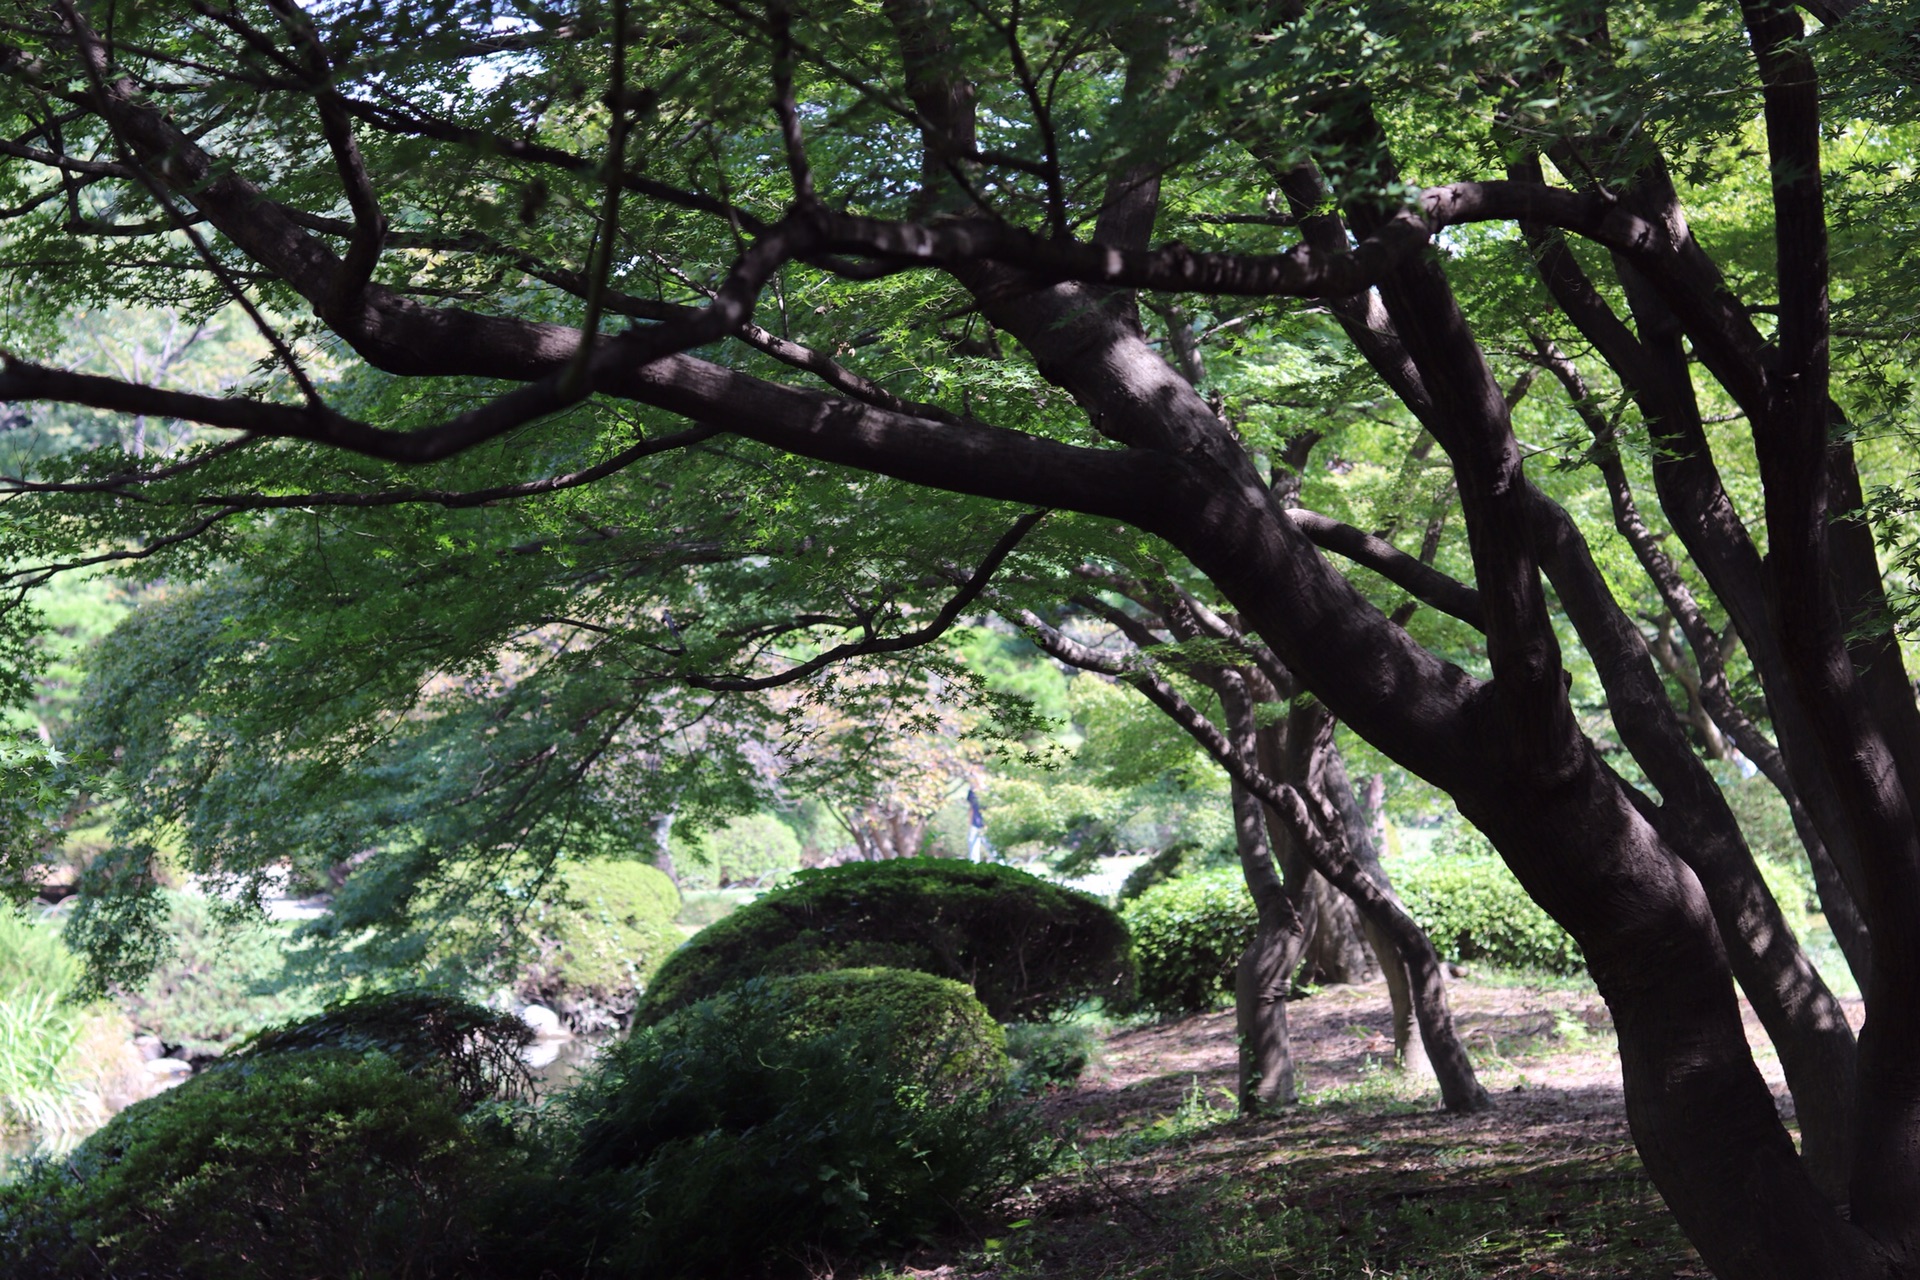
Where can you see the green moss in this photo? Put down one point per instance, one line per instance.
(1028, 948)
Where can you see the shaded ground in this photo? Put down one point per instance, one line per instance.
(1366, 1177)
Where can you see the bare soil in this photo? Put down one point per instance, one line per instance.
(1366, 1176)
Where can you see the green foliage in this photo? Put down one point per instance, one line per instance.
(1047, 1054)
(1170, 863)
(1187, 938)
(749, 851)
(1027, 947)
(599, 947)
(332, 1163)
(471, 1051)
(1135, 782)
(1473, 909)
(225, 979)
(788, 1123)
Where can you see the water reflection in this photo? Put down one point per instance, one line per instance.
(556, 1063)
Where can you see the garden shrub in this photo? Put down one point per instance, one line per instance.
(471, 1050)
(1187, 938)
(1046, 1054)
(787, 1122)
(317, 1163)
(223, 981)
(1028, 948)
(1473, 909)
(597, 951)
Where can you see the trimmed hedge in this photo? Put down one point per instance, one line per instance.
(471, 1051)
(288, 1164)
(1028, 948)
(1188, 933)
(1187, 938)
(598, 952)
(1473, 909)
(787, 1122)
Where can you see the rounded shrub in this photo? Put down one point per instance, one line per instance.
(1474, 910)
(1028, 948)
(788, 1122)
(599, 949)
(471, 1050)
(1187, 938)
(287, 1164)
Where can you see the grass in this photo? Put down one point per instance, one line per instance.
(1161, 1178)
(55, 1055)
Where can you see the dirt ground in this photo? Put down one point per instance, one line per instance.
(1366, 1177)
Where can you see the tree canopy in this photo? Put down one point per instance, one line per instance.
(587, 405)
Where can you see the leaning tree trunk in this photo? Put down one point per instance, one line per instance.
(1265, 971)
(1409, 1050)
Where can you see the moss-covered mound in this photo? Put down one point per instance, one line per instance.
(1028, 948)
(598, 951)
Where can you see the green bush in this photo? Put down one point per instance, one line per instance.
(787, 1122)
(326, 1163)
(223, 982)
(471, 1050)
(1187, 938)
(1028, 948)
(597, 952)
(1046, 1054)
(1473, 909)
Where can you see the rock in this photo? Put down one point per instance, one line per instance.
(165, 1073)
(545, 1022)
(149, 1048)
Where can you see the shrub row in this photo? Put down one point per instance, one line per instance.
(1188, 932)
(1474, 910)
(787, 1123)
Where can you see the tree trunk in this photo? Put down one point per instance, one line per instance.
(1265, 971)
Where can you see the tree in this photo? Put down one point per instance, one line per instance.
(954, 212)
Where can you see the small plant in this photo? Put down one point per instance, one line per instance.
(1049, 1054)
(790, 1120)
(1028, 948)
